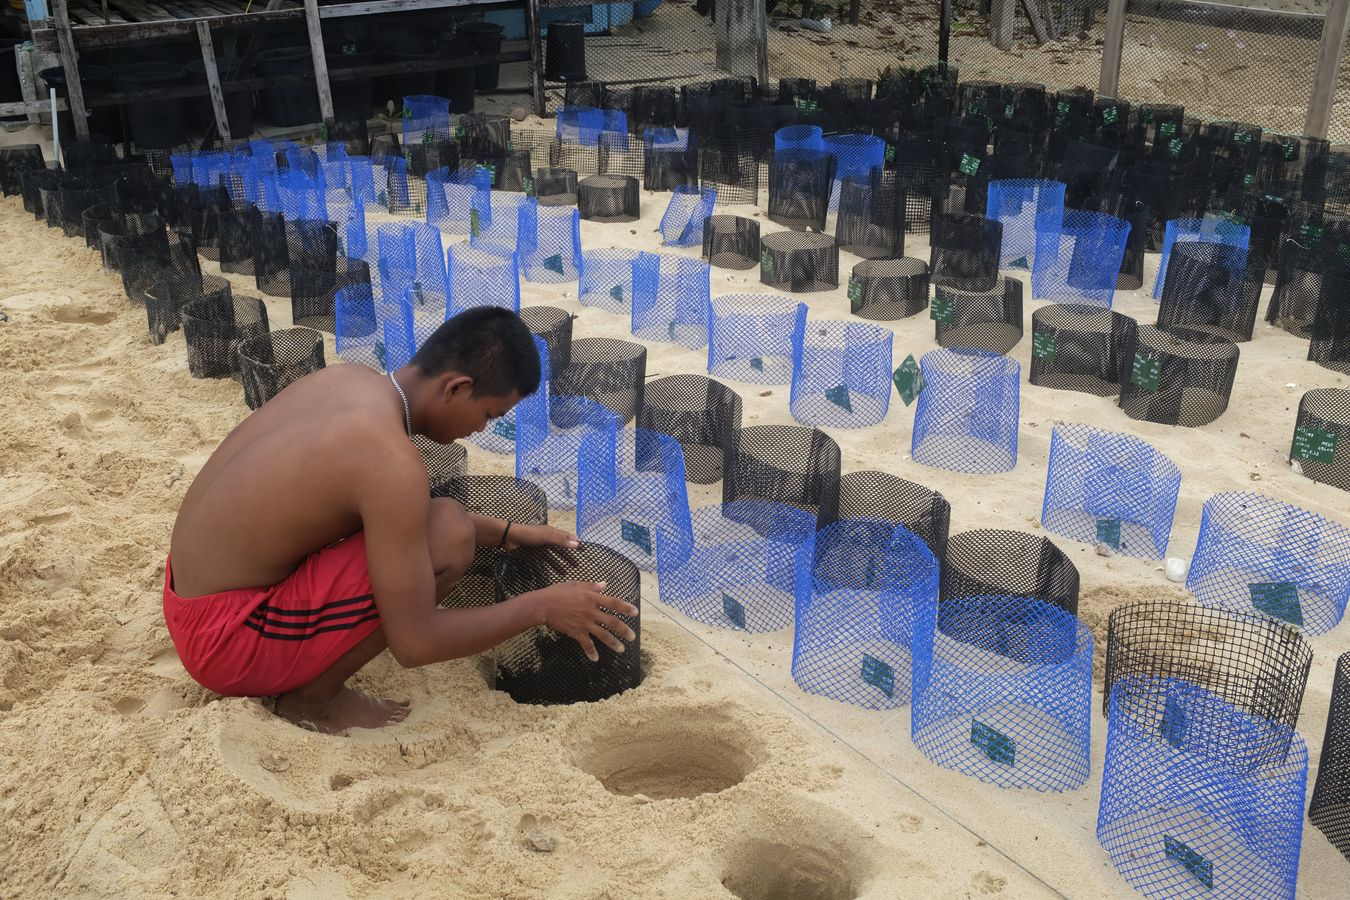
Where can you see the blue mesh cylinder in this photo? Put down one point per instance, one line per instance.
(455, 197)
(580, 125)
(966, 419)
(841, 375)
(607, 279)
(800, 182)
(411, 256)
(358, 327)
(741, 571)
(1003, 693)
(1079, 261)
(631, 495)
(799, 137)
(497, 224)
(547, 452)
(1178, 821)
(866, 597)
(1257, 554)
(481, 278)
(302, 196)
(550, 243)
(391, 183)
(499, 435)
(1109, 488)
(855, 155)
(688, 210)
(1211, 229)
(670, 299)
(1024, 207)
(425, 119)
(753, 337)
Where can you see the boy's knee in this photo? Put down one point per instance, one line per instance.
(452, 537)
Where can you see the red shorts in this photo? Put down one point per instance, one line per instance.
(257, 642)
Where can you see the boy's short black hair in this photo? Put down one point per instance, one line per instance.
(489, 344)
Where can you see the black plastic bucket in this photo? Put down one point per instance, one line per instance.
(565, 52)
(407, 84)
(353, 98)
(485, 39)
(155, 124)
(293, 105)
(10, 89)
(457, 84)
(95, 80)
(239, 105)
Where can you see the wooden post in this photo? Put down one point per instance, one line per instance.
(737, 26)
(945, 32)
(313, 25)
(213, 79)
(1113, 45)
(70, 63)
(853, 11)
(762, 44)
(536, 38)
(1002, 17)
(1326, 75)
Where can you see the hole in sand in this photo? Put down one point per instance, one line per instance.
(338, 782)
(128, 706)
(769, 870)
(81, 315)
(678, 753)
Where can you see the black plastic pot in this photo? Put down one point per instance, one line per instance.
(458, 84)
(485, 39)
(353, 98)
(239, 105)
(155, 124)
(294, 105)
(565, 52)
(95, 80)
(10, 89)
(407, 84)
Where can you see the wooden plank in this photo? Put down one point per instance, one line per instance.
(20, 107)
(1002, 18)
(536, 56)
(70, 63)
(213, 79)
(1037, 25)
(1326, 75)
(371, 7)
(1113, 45)
(315, 29)
(1230, 17)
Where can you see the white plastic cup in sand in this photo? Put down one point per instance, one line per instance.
(1176, 569)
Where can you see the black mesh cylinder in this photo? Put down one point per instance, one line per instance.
(981, 320)
(73, 198)
(215, 327)
(501, 497)
(608, 198)
(786, 464)
(885, 290)
(1256, 665)
(32, 182)
(669, 159)
(555, 187)
(94, 217)
(731, 242)
(1178, 377)
(607, 370)
(1131, 277)
(542, 666)
(991, 563)
(871, 221)
(270, 362)
(1079, 348)
(799, 261)
(732, 169)
(1330, 344)
(565, 52)
(483, 136)
(919, 167)
(651, 106)
(800, 182)
(1308, 257)
(702, 414)
(965, 252)
(271, 260)
(1210, 288)
(1321, 444)
(14, 162)
(174, 290)
(1329, 810)
(444, 462)
(880, 496)
(554, 327)
(314, 292)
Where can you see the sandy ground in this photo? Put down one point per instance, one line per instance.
(716, 778)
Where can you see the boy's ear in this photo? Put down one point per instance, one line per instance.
(455, 384)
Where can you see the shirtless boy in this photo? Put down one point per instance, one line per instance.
(308, 543)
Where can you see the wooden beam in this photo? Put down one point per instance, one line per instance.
(20, 107)
(1002, 18)
(1229, 16)
(70, 62)
(1326, 74)
(213, 79)
(533, 31)
(1113, 46)
(315, 29)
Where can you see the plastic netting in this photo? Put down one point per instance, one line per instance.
(542, 666)
(608, 198)
(499, 496)
(1210, 288)
(1080, 348)
(1329, 809)
(732, 170)
(741, 571)
(670, 159)
(455, 197)
(799, 137)
(1257, 554)
(548, 438)
(671, 296)
(1003, 692)
(1178, 821)
(357, 327)
(785, 464)
(606, 279)
(731, 242)
(550, 243)
(620, 155)
(555, 187)
(682, 223)
(871, 221)
(553, 326)
(886, 290)
(171, 292)
(1024, 207)
(1177, 377)
(800, 181)
(855, 156)
(651, 105)
(270, 362)
(992, 562)
(966, 419)
(753, 337)
(882, 497)
(607, 370)
(14, 162)
(1108, 488)
(499, 435)
(1079, 262)
(500, 227)
(841, 375)
(964, 252)
(1210, 229)
(1321, 442)
(701, 414)
(214, 327)
(481, 277)
(1330, 344)
(978, 320)
(866, 593)
(799, 262)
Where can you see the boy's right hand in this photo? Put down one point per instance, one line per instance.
(580, 610)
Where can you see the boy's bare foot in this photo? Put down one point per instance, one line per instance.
(348, 708)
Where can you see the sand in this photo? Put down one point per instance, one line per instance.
(717, 778)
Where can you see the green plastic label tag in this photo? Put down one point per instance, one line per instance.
(1242, 137)
(379, 355)
(1146, 116)
(460, 132)
(528, 184)
(1199, 867)
(506, 428)
(567, 487)
(1290, 151)
(908, 380)
(1043, 345)
(1146, 371)
(428, 138)
(1248, 180)
(757, 363)
(1278, 599)
(733, 610)
(1020, 263)
(1008, 111)
(639, 536)
(995, 744)
(807, 105)
(407, 113)
(969, 164)
(419, 298)
(1314, 444)
(1312, 232)
(1173, 724)
(1110, 114)
(1174, 147)
(1108, 533)
(878, 674)
(890, 153)
(323, 132)
(473, 223)
(554, 263)
(1167, 129)
(941, 309)
(839, 396)
(766, 265)
(616, 293)
(855, 294)
(1061, 110)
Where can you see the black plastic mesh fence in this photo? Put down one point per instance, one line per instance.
(1178, 377)
(607, 370)
(799, 262)
(670, 159)
(871, 221)
(880, 496)
(1080, 348)
(1210, 288)
(1321, 443)
(1259, 667)
(702, 414)
(444, 462)
(1330, 344)
(620, 154)
(919, 167)
(554, 326)
(555, 187)
(991, 563)
(542, 666)
(314, 292)
(215, 327)
(270, 362)
(732, 170)
(1329, 809)
(979, 319)
(14, 162)
(1306, 261)
(965, 252)
(651, 106)
(731, 242)
(800, 182)
(501, 497)
(608, 198)
(885, 290)
(786, 464)
(172, 291)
